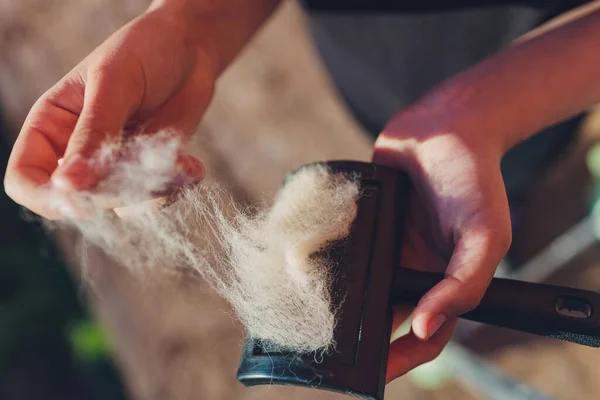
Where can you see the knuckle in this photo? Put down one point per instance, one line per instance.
(126, 72)
(505, 239)
(502, 232)
(14, 192)
(470, 300)
(88, 139)
(102, 69)
(466, 296)
(11, 189)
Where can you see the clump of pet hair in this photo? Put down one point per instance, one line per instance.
(266, 264)
(140, 167)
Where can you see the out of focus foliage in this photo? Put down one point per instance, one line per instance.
(49, 349)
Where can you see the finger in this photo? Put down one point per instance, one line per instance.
(184, 109)
(110, 98)
(188, 171)
(476, 256)
(34, 156)
(408, 352)
(126, 212)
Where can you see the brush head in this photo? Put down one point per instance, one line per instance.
(364, 264)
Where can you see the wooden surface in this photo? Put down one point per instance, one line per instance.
(275, 109)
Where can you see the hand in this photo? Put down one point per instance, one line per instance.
(458, 221)
(150, 75)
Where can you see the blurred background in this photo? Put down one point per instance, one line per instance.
(68, 333)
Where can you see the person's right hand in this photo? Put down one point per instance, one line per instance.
(150, 75)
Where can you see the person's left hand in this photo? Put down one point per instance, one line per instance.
(458, 222)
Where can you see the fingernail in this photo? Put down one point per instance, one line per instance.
(73, 173)
(191, 172)
(435, 323)
(193, 168)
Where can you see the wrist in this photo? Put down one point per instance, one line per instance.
(444, 116)
(219, 29)
(186, 17)
(459, 106)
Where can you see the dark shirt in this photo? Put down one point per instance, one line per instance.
(384, 55)
(553, 6)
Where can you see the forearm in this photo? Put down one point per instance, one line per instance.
(220, 27)
(526, 87)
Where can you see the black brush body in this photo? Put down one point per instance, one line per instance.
(369, 282)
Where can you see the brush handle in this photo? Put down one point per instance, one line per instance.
(557, 312)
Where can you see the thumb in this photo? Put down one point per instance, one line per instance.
(109, 101)
(477, 253)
